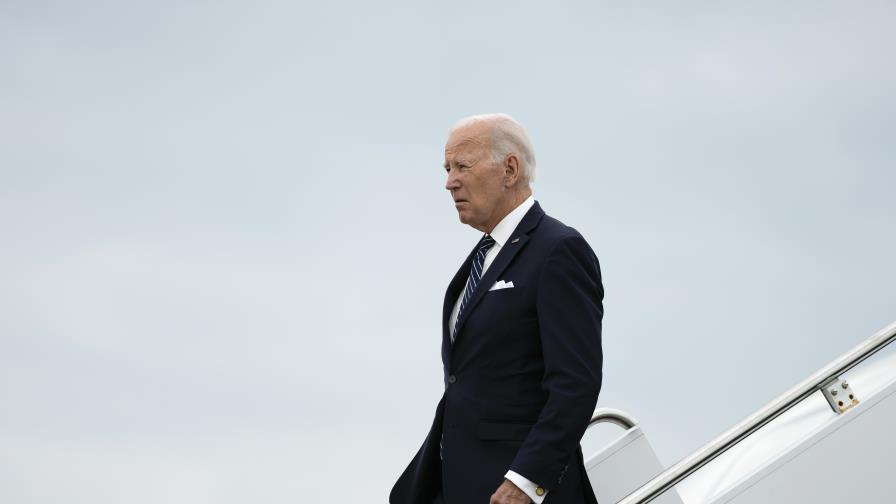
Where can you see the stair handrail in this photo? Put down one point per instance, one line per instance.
(688, 465)
(614, 416)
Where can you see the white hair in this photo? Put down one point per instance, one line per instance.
(508, 137)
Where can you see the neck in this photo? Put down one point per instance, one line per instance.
(514, 199)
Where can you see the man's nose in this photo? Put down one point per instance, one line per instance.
(452, 183)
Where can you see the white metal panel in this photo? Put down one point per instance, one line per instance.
(850, 460)
(755, 433)
(772, 440)
(803, 422)
(623, 466)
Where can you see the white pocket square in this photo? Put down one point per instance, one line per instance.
(501, 284)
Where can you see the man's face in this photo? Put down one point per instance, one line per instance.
(475, 181)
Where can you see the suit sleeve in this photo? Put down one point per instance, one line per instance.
(569, 305)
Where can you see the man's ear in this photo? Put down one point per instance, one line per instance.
(511, 170)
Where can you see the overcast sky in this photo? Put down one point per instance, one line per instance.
(226, 236)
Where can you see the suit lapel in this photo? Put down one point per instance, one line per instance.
(451, 295)
(508, 251)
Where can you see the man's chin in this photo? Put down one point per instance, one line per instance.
(465, 219)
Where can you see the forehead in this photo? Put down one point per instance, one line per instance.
(467, 139)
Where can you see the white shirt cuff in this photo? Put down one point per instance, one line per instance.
(526, 486)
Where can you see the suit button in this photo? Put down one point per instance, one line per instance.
(452, 379)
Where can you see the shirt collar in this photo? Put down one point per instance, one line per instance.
(508, 224)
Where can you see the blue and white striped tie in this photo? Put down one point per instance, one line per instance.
(475, 275)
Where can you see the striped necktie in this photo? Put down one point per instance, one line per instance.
(475, 275)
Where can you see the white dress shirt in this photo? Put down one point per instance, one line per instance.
(501, 234)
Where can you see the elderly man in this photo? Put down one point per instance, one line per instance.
(521, 339)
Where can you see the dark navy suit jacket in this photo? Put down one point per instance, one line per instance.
(522, 377)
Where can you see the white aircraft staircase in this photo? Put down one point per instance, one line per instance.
(829, 439)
